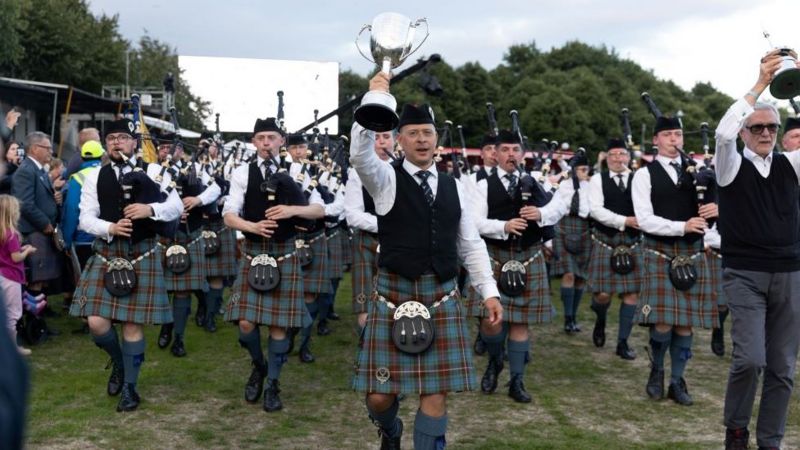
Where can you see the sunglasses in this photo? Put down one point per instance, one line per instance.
(760, 127)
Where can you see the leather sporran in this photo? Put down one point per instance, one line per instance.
(622, 260)
(682, 273)
(120, 277)
(574, 244)
(58, 240)
(211, 243)
(512, 278)
(303, 252)
(177, 259)
(263, 274)
(412, 331)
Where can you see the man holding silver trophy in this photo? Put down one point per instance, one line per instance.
(415, 338)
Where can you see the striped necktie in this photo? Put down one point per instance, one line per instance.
(426, 188)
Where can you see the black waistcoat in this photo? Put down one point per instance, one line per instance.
(256, 202)
(503, 207)
(616, 201)
(672, 202)
(109, 196)
(194, 219)
(415, 237)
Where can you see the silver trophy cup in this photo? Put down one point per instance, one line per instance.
(391, 40)
(786, 82)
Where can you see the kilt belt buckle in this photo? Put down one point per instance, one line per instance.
(120, 277)
(304, 253)
(263, 274)
(177, 260)
(512, 278)
(211, 242)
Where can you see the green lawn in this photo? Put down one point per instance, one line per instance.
(584, 397)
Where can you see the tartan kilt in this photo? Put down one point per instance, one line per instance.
(347, 245)
(533, 306)
(365, 261)
(283, 306)
(194, 279)
(316, 276)
(445, 367)
(335, 251)
(223, 263)
(564, 261)
(715, 269)
(600, 277)
(692, 308)
(45, 264)
(147, 304)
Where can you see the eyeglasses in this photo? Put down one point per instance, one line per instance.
(46, 147)
(760, 127)
(118, 138)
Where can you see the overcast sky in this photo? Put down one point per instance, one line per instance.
(719, 41)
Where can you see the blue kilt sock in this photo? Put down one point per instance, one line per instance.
(276, 356)
(626, 313)
(213, 300)
(517, 356)
(429, 431)
(132, 359)
(313, 311)
(181, 308)
(252, 342)
(387, 419)
(568, 299)
(680, 351)
(659, 342)
(576, 302)
(109, 342)
(601, 309)
(723, 314)
(323, 302)
(495, 343)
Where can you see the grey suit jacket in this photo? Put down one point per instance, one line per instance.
(35, 194)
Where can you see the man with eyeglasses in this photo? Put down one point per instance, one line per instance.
(759, 220)
(791, 135)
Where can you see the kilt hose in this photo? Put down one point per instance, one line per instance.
(600, 277)
(148, 304)
(335, 237)
(444, 367)
(194, 279)
(564, 261)
(365, 263)
(660, 302)
(281, 307)
(223, 263)
(316, 277)
(533, 306)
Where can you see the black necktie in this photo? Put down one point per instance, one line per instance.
(620, 183)
(512, 183)
(677, 168)
(575, 204)
(426, 188)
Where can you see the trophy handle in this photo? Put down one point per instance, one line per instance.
(427, 33)
(365, 27)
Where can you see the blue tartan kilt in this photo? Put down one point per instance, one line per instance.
(147, 304)
(223, 263)
(335, 252)
(194, 279)
(363, 269)
(564, 261)
(316, 276)
(281, 307)
(347, 245)
(533, 306)
(445, 367)
(600, 277)
(660, 302)
(715, 269)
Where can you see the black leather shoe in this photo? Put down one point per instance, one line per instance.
(655, 383)
(737, 439)
(516, 390)
(575, 327)
(333, 316)
(679, 393)
(200, 315)
(480, 346)
(177, 347)
(489, 380)
(322, 328)
(305, 354)
(599, 333)
(255, 384)
(272, 402)
(165, 335)
(391, 443)
(625, 352)
(129, 399)
(568, 324)
(211, 324)
(718, 341)
(115, 380)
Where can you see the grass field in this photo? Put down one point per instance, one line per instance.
(584, 397)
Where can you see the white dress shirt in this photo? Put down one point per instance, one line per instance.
(643, 206)
(90, 221)
(212, 191)
(354, 211)
(559, 206)
(490, 228)
(379, 180)
(597, 200)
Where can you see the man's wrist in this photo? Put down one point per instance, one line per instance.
(152, 211)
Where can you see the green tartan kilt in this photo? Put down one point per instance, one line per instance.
(564, 261)
(335, 252)
(223, 263)
(445, 367)
(715, 269)
(600, 277)
(365, 262)
(147, 304)
(316, 276)
(194, 279)
(533, 306)
(283, 306)
(692, 308)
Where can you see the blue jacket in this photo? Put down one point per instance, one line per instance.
(32, 188)
(71, 212)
